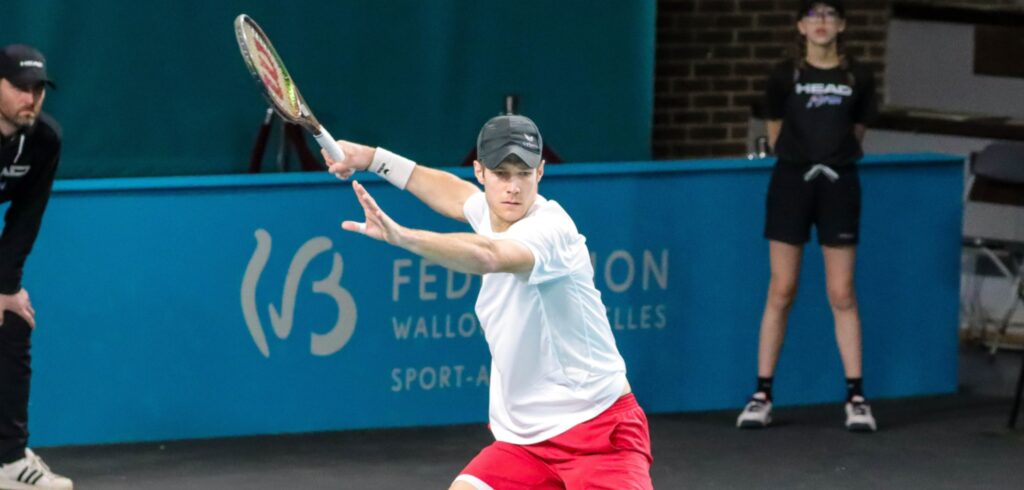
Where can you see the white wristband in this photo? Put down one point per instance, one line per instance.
(393, 168)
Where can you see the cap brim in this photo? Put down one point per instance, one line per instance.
(496, 157)
(26, 83)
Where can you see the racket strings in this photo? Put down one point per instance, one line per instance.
(273, 74)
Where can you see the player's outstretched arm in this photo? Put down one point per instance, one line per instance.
(443, 192)
(463, 252)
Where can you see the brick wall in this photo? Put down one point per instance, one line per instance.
(713, 56)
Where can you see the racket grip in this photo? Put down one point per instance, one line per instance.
(329, 145)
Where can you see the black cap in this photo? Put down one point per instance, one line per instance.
(807, 5)
(503, 136)
(23, 66)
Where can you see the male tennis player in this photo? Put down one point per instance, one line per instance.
(29, 153)
(561, 410)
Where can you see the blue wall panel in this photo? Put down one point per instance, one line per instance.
(141, 292)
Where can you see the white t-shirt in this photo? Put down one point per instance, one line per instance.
(554, 363)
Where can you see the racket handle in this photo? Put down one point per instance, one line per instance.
(329, 145)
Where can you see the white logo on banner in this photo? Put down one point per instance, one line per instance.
(282, 320)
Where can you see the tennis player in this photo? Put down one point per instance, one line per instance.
(561, 409)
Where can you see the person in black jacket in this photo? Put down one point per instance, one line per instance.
(30, 145)
(817, 105)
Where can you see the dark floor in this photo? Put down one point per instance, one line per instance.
(955, 442)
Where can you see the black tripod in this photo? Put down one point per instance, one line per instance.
(292, 138)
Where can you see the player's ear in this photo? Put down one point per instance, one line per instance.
(540, 170)
(478, 170)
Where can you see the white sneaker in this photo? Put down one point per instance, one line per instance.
(31, 473)
(757, 413)
(858, 416)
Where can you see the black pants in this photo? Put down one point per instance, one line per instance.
(15, 375)
(795, 204)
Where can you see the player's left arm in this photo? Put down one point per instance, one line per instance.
(463, 252)
(444, 192)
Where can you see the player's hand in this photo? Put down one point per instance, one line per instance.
(19, 304)
(357, 157)
(378, 224)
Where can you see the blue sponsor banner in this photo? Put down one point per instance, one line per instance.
(215, 306)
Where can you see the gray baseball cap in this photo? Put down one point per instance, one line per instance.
(23, 66)
(503, 136)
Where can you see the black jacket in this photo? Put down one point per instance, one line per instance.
(28, 163)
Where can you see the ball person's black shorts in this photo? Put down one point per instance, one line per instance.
(794, 204)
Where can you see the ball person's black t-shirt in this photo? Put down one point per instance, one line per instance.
(818, 109)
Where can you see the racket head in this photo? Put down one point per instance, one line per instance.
(271, 75)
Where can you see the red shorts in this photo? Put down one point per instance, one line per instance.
(610, 451)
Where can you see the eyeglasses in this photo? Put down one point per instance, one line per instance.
(827, 15)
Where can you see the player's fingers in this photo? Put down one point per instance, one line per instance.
(372, 219)
(365, 194)
(369, 209)
(361, 194)
(327, 157)
(386, 222)
(340, 171)
(368, 201)
(372, 202)
(359, 190)
(354, 226)
(389, 228)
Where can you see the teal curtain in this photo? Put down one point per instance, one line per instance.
(158, 88)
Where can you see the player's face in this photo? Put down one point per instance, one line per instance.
(821, 25)
(511, 189)
(19, 106)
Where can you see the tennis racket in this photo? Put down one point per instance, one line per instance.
(278, 87)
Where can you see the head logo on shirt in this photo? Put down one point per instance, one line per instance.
(824, 94)
(822, 100)
(824, 89)
(15, 171)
